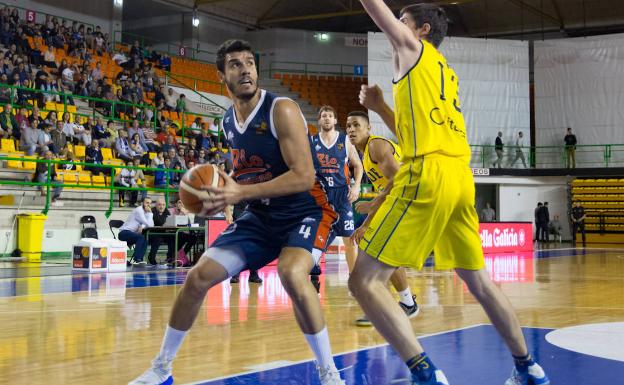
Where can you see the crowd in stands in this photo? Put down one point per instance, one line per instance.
(58, 62)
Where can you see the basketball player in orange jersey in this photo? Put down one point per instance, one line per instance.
(429, 204)
(287, 214)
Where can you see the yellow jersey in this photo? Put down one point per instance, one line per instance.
(377, 178)
(427, 111)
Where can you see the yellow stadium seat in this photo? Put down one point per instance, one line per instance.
(107, 153)
(98, 180)
(80, 151)
(14, 164)
(84, 179)
(152, 155)
(8, 145)
(30, 165)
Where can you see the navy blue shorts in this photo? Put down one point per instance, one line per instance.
(339, 199)
(262, 234)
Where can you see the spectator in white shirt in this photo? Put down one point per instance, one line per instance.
(132, 230)
(519, 150)
(68, 128)
(68, 76)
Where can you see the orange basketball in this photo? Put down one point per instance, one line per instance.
(190, 186)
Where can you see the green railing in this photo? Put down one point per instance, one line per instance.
(171, 49)
(50, 184)
(587, 156)
(313, 69)
(23, 11)
(113, 106)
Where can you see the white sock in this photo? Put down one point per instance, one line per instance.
(319, 343)
(171, 344)
(406, 297)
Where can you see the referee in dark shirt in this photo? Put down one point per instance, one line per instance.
(498, 146)
(578, 221)
(161, 213)
(570, 146)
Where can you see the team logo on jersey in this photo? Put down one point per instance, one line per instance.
(340, 146)
(227, 120)
(261, 128)
(308, 220)
(317, 147)
(350, 214)
(230, 135)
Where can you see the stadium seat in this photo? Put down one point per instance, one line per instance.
(8, 145)
(107, 153)
(80, 151)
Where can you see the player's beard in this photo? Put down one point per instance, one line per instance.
(241, 95)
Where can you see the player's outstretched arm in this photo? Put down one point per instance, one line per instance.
(397, 32)
(371, 97)
(358, 172)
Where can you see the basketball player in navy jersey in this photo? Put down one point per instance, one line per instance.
(287, 215)
(333, 154)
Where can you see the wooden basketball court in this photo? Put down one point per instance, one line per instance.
(105, 328)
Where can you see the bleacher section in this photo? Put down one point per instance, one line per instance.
(603, 200)
(339, 92)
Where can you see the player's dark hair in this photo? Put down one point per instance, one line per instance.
(326, 108)
(359, 114)
(229, 46)
(431, 14)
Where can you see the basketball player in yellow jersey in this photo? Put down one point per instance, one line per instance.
(430, 203)
(381, 160)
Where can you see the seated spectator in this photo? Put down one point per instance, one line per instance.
(192, 145)
(59, 139)
(139, 177)
(49, 57)
(113, 134)
(30, 139)
(160, 217)
(177, 175)
(135, 146)
(41, 176)
(8, 123)
(6, 94)
(181, 104)
(161, 177)
(79, 130)
(136, 130)
(45, 139)
(159, 159)
(87, 136)
(201, 157)
(122, 146)
(150, 139)
(555, 227)
(170, 100)
(68, 77)
(99, 132)
(125, 178)
(175, 159)
(191, 157)
(165, 62)
(93, 154)
(170, 144)
(131, 231)
(186, 241)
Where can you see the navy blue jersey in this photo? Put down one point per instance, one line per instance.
(256, 153)
(330, 160)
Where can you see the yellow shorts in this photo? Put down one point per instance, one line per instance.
(430, 207)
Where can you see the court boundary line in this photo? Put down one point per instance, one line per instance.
(202, 382)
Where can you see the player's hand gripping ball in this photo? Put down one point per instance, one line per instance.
(191, 193)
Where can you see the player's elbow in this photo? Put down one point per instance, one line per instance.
(306, 180)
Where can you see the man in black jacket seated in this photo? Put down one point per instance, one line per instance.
(161, 213)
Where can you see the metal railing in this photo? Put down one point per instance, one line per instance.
(49, 184)
(541, 157)
(171, 49)
(185, 80)
(314, 69)
(102, 106)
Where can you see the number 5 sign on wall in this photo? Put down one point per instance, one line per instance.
(30, 16)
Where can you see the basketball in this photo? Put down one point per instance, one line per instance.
(190, 186)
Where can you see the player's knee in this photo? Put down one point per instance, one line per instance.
(291, 275)
(356, 284)
(199, 280)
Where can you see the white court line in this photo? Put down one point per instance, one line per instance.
(337, 354)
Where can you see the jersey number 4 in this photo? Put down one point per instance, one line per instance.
(305, 231)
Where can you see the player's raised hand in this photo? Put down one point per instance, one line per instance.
(371, 97)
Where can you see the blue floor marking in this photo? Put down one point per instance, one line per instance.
(473, 356)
